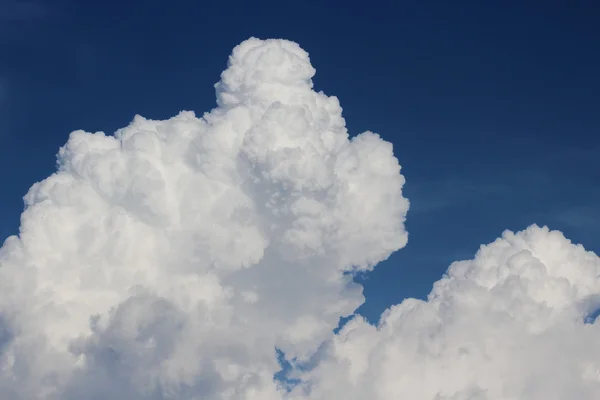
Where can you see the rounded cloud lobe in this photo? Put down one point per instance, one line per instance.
(171, 259)
(508, 324)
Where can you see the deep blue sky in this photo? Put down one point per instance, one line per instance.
(493, 106)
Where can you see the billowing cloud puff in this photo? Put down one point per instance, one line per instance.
(507, 325)
(172, 259)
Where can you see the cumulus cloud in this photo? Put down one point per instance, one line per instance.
(178, 259)
(172, 259)
(509, 324)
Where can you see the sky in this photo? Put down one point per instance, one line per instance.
(492, 111)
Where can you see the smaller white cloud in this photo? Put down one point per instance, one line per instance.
(509, 324)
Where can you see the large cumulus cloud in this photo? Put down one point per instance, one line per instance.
(173, 259)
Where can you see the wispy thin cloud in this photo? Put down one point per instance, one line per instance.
(437, 194)
(579, 154)
(580, 217)
(3, 107)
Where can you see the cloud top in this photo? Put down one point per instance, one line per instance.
(265, 71)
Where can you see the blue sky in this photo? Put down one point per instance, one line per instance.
(492, 108)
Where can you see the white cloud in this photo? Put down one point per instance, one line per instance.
(171, 259)
(508, 324)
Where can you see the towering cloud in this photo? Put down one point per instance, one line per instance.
(172, 259)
